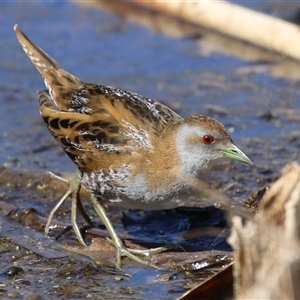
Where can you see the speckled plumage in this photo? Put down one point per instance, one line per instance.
(130, 150)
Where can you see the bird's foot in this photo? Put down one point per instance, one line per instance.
(123, 251)
(73, 192)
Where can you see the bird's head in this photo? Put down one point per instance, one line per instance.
(203, 142)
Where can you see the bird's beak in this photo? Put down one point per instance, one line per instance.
(234, 152)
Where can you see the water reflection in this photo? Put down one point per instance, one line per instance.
(208, 41)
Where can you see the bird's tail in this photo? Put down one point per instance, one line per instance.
(54, 76)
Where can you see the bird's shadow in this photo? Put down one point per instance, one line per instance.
(194, 229)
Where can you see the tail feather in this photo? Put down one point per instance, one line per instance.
(54, 76)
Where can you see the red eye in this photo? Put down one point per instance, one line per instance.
(207, 139)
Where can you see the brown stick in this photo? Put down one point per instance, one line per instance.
(239, 22)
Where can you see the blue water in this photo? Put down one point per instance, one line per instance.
(102, 48)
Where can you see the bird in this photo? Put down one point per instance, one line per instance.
(131, 151)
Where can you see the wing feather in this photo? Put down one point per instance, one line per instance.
(99, 129)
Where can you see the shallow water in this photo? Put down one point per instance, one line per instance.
(260, 110)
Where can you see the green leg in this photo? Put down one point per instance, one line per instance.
(76, 206)
(122, 250)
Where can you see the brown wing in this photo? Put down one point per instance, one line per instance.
(94, 138)
(83, 137)
(120, 105)
(68, 92)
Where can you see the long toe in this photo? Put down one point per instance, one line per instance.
(130, 253)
